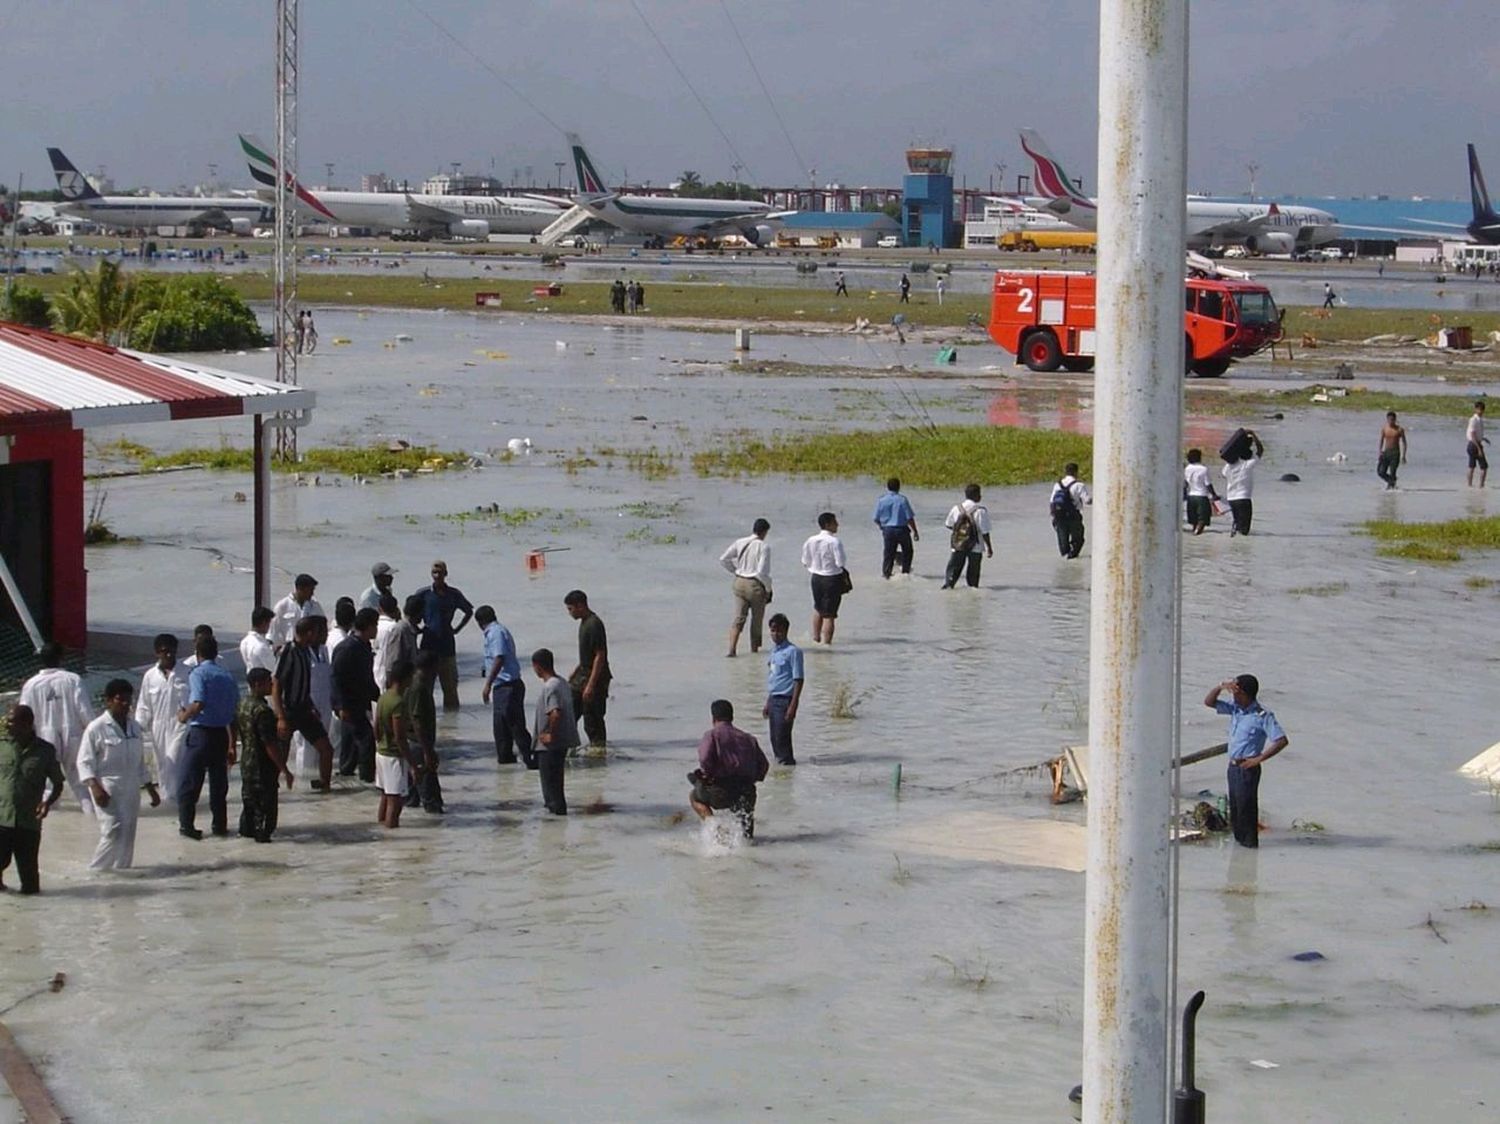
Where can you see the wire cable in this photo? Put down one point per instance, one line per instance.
(802, 164)
(495, 74)
(703, 105)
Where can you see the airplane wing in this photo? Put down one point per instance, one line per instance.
(423, 216)
(733, 224)
(1459, 232)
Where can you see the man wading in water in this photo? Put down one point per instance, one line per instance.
(1392, 450)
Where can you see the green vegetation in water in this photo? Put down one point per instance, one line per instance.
(647, 535)
(374, 460)
(1355, 325)
(647, 509)
(937, 457)
(1421, 552)
(1435, 542)
(1218, 402)
(1477, 582)
(495, 515)
(1329, 590)
(651, 463)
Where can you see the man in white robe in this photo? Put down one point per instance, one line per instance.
(304, 758)
(113, 762)
(164, 691)
(61, 706)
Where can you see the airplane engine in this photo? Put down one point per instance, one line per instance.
(761, 235)
(1275, 242)
(243, 227)
(469, 228)
(1058, 205)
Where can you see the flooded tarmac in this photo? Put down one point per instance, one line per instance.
(877, 954)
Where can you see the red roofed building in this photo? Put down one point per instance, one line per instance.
(54, 387)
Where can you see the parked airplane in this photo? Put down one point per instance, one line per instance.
(458, 216)
(236, 213)
(662, 216)
(1483, 228)
(1261, 229)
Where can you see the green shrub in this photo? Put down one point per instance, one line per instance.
(27, 305)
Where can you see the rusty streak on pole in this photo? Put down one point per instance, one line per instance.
(1134, 602)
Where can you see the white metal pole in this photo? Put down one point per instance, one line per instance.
(1134, 603)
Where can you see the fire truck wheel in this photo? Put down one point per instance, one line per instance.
(1187, 363)
(1210, 368)
(1078, 363)
(1041, 351)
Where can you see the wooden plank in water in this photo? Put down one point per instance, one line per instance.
(26, 1083)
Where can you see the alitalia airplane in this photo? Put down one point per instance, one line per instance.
(237, 213)
(1268, 228)
(456, 216)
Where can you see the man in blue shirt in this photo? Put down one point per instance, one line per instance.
(213, 698)
(439, 602)
(783, 688)
(1254, 738)
(898, 525)
(504, 690)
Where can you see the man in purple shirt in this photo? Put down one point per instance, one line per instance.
(730, 764)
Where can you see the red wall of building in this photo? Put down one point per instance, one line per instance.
(64, 448)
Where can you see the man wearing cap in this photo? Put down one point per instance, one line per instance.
(384, 576)
(292, 608)
(1254, 738)
(439, 602)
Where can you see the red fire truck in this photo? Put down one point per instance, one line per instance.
(1046, 319)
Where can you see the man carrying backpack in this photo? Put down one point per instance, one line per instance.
(969, 524)
(1069, 497)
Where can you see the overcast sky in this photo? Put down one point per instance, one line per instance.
(1330, 97)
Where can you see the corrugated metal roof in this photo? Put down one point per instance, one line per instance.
(47, 380)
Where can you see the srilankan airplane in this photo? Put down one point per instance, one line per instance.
(456, 216)
(237, 213)
(663, 216)
(1261, 229)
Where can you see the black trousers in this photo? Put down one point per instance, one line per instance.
(1244, 805)
(25, 847)
(1241, 511)
(357, 746)
(592, 713)
(898, 547)
(259, 802)
(958, 562)
(508, 701)
(550, 765)
(428, 792)
(1387, 465)
(207, 753)
(1069, 530)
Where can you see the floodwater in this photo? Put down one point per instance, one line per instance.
(871, 956)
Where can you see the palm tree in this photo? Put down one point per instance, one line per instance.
(689, 183)
(101, 305)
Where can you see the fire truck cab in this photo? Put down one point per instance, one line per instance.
(1046, 320)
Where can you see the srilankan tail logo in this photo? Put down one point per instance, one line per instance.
(263, 171)
(1051, 179)
(590, 182)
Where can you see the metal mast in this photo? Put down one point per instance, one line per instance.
(285, 292)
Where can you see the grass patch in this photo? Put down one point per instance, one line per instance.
(646, 509)
(1354, 325)
(1420, 552)
(945, 456)
(495, 515)
(1479, 583)
(1332, 589)
(647, 535)
(373, 460)
(1479, 533)
(1211, 402)
(651, 463)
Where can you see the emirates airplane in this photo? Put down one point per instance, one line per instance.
(1260, 228)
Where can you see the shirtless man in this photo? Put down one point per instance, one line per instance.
(1392, 451)
(1474, 436)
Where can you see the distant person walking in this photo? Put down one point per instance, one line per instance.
(61, 713)
(968, 524)
(31, 781)
(555, 730)
(730, 765)
(784, 679)
(591, 678)
(113, 763)
(617, 297)
(1392, 450)
(905, 289)
(841, 289)
(1474, 436)
(898, 529)
(749, 560)
(1330, 298)
(1198, 487)
(1254, 738)
(1239, 485)
(1070, 496)
(941, 285)
(310, 336)
(823, 558)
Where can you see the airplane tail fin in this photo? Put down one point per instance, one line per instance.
(1484, 214)
(70, 180)
(263, 171)
(1052, 180)
(590, 182)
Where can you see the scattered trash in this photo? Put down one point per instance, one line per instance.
(1290, 478)
(1261, 1063)
(1337, 458)
(947, 355)
(1344, 371)
(403, 337)
(561, 345)
(519, 446)
(340, 341)
(1309, 957)
(429, 391)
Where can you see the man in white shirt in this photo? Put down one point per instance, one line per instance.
(1474, 437)
(969, 522)
(749, 560)
(292, 608)
(164, 691)
(1239, 484)
(823, 558)
(385, 629)
(1070, 496)
(113, 762)
(1198, 487)
(256, 648)
(57, 699)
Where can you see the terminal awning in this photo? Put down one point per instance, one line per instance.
(50, 381)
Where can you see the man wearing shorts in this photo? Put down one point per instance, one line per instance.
(393, 756)
(730, 765)
(1475, 438)
(292, 700)
(823, 557)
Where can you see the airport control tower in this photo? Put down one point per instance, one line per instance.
(927, 203)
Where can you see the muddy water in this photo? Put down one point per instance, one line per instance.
(612, 966)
